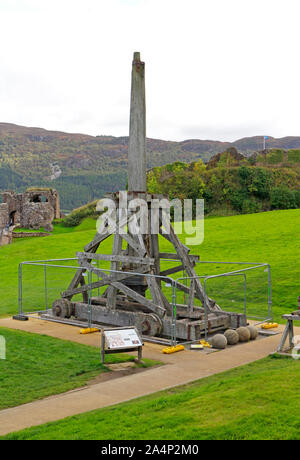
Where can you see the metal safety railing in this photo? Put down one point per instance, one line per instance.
(43, 288)
(254, 266)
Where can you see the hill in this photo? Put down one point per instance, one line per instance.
(83, 168)
(231, 183)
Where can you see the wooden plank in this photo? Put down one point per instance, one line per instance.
(137, 128)
(133, 244)
(190, 271)
(160, 311)
(77, 277)
(85, 296)
(90, 247)
(171, 271)
(153, 223)
(166, 303)
(121, 304)
(128, 291)
(100, 283)
(154, 288)
(291, 333)
(185, 289)
(116, 258)
(154, 252)
(115, 265)
(284, 336)
(191, 296)
(110, 231)
(168, 238)
(182, 287)
(155, 291)
(172, 256)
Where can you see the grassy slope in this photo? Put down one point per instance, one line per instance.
(203, 410)
(37, 366)
(243, 403)
(267, 237)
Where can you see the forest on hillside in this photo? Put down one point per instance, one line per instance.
(90, 166)
(231, 183)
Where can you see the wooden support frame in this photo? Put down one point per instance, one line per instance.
(288, 332)
(142, 257)
(142, 254)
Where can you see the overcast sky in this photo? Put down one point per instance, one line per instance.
(215, 69)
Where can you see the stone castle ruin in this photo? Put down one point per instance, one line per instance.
(35, 208)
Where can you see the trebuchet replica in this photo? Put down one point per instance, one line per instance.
(124, 302)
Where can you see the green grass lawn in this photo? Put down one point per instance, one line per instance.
(37, 366)
(271, 237)
(256, 401)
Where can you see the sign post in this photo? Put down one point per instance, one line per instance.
(121, 340)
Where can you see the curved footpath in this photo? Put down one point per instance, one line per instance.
(181, 368)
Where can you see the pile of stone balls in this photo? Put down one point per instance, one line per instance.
(232, 337)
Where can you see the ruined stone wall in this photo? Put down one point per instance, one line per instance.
(6, 237)
(4, 215)
(33, 209)
(53, 199)
(5, 233)
(37, 215)
(14, 203)
(51, 195)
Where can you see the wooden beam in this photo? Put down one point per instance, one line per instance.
(100, 283)
(160, 311)
(128, 291)
(171, 271)
(90, 247)
(191, 296)
(115, 265)
(168, 238)
(78, 275)
(172, 256)
(117, 258)
(133, 244)
(191, 272)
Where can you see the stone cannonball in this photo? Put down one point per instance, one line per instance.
(244, 334)
(253, 332)
(231, 336)
(219, 341)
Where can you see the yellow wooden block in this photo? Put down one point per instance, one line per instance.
(169, 350)
(269, 326)
(205, 344)
(88, 330)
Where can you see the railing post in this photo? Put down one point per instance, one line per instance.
(89, 300)
(205, 311)
(20, 300)
(45, 287)
(174, 313)
(270, 301)
(245, 295)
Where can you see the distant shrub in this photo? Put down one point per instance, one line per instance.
(275, 156)
(261, 159)
(257, 181)
(294, 156)
(77, 215)
(297, 198)
(250, 206)
(237, 199)
(282, 198)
